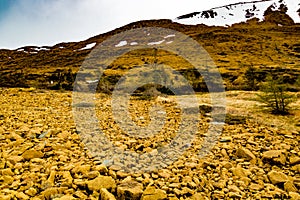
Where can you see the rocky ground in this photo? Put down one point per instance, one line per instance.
(42, 156)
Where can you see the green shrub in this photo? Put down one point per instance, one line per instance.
(275, 97)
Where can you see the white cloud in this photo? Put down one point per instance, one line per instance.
(47, 22)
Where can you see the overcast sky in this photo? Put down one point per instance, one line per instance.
(48, 22)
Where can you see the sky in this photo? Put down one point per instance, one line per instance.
(48, 22)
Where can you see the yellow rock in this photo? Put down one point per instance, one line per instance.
(198, 196)
(130, 189)
(51, 178)
(7, 172)
(100, 182)
(102, 169)
(29, 154)
(106, 195)
(21, 195)
(66, 197)
(290, 187)
(245, 153)
(151, 193)
(294, 195)
(80, 195)
(67, 179)
(49, 193)
(15, 159)
(31, 192)
(277, 177)
(7, 179)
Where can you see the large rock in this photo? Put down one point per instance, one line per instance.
(100, 182)
(151, 193)
(130, 190)
(276, 156)
(294, 195)
(277, 177)
(294, 160)
(245, 153)
(31, 153)
(290, 187)
(106, 195)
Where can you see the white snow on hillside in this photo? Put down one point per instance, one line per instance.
(122, 43)
(236, 13)
(89, 46)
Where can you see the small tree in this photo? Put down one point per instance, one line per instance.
(275, 97)
(251, 78)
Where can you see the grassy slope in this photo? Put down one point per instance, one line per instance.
(265, 46)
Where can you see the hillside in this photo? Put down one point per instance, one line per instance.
(265, 46)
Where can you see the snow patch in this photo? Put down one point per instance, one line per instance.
(91, 81)
(133, 43)
(156, 43)
(121, 44)
(169, 36)
(88, 46)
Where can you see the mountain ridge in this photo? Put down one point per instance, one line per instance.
(239, 12)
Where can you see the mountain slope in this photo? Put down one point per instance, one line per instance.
(267, 47)
(240, 12)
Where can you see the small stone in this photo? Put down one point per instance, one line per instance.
(130, 190)
(164, 173)
(294, 160)
(294, 195)
(68, 180)
(239, 171)
(198, 196)
(277, 177)
(276, 156)
(290, 187)
(15, 159)
(177, 192)
(51, 178)
(31, 192)
(29, 154)
(80, 195)
(80, 182)
(246, 180)
(92, 174)
(234, 195)
(83, 169)
(234, 188)
(7, 180)
(227, 165)
(174, 185)
(100, 182)
(7, 172)
(21, 195)
(296, 168)
(256, 187)
(102, 169)
(151, 193)
(106, 195)
(245, 153)
(49, 193)
(226, 139)
(121, 174)
(65, 197)
(220, 184)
